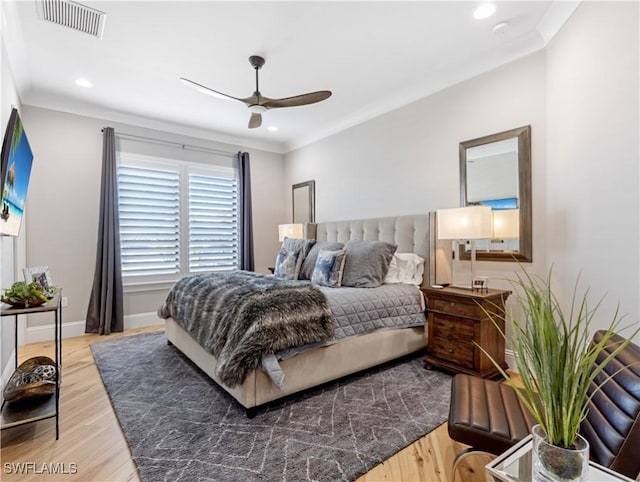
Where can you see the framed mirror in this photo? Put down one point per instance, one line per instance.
(304, 202)
(495, 171)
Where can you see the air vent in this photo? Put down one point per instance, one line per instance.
(73, 15)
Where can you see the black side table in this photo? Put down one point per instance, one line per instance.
(19, 415)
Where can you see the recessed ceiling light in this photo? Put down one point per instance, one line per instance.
(272, 128)
(84, 83)
(484, 11)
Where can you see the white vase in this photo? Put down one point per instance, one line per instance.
(558, 464)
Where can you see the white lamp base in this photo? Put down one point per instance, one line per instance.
(456, 261)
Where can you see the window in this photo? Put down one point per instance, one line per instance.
(175, 219)
(213, 223)
(149, 208)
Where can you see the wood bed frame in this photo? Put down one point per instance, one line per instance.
(314, 367)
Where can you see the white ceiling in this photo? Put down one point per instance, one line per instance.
(373, 56)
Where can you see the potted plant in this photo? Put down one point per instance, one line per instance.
(556, 361)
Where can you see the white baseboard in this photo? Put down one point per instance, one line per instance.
(142, 319)
(511, 360)
(35, 334)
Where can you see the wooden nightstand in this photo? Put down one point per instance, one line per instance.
(456, 322)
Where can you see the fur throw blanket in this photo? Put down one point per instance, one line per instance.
(240, 316)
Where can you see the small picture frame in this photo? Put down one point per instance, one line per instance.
(38, 273)
(480, 283)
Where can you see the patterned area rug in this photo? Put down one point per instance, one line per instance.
(182, 427)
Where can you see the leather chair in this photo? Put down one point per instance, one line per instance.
(488, 416)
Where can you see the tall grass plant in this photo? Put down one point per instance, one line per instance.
(555, 357)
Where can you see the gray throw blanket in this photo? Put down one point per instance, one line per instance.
(241, 316)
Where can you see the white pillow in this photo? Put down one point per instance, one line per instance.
(405, 268)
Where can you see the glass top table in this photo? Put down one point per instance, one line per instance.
(516, 463)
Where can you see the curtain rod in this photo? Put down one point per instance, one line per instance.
(172, 143)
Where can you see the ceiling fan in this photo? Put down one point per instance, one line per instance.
(258, 103)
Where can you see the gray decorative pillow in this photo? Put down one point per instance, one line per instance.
(301, 245)
(329, 268)
(290, 257)
(309, 263)
(367, 263)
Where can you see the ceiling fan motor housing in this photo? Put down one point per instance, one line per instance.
(256, 61)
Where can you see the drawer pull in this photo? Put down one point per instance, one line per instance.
(450, 350)
(451, 327)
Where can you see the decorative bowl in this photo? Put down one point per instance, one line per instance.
(34, 378)
(24, 303)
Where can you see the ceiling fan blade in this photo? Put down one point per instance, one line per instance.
(255, 120)
(207, 90)
(296, 100)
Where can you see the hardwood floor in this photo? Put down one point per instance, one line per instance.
(92, 447)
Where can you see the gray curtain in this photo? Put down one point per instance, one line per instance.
(105, 311)
(246, 225)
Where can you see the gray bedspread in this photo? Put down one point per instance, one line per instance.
(362, 310)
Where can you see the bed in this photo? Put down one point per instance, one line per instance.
(316, 366)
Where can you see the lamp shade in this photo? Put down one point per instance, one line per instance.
(506, 224)
(290, 231)
(471, 222)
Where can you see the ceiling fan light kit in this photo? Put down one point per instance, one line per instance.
(257, 109)
(257, 103)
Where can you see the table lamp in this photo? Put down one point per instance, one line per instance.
(290, 231)
(469, 224)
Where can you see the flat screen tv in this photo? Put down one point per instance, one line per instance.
(17, 158)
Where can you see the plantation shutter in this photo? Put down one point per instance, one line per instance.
(149, 203)
(213, 223)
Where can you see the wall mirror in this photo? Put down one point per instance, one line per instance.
(495, 171)
(304, 202)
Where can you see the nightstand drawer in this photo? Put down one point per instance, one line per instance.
(459, 352)
(450, 327)
(457, 308)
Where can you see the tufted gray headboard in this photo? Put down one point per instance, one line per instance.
(411, 233)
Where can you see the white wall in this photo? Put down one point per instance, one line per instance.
(269, 210)
(406, 161)
(63, 205)
(593, 155)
